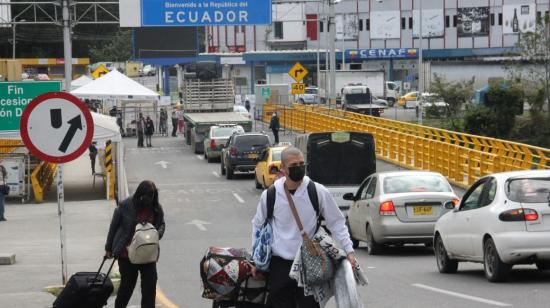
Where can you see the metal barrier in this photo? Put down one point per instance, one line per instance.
(9, 145)
(462, 165)
(41, 179)
(514, 156)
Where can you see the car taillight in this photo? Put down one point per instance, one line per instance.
(387, 209)
(233, 151)
(273, 169)
(213, 144)
(519, 215)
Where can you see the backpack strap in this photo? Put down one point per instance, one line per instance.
(313, 197)
(271, 193)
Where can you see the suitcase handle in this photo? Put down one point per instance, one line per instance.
(108, 272)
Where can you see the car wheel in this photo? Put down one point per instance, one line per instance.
(222, 167)
(373, 248)
(495, 269)
(229, 173)
(543, 266)
(444, 263)
(258, 184)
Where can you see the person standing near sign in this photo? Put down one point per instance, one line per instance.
(93, 154)
(4, 190)
(149, 130)
(163, 122)
(140, 127)
(275, 125)
(174, 124)
(142, 206)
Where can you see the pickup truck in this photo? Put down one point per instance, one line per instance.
(358, 98)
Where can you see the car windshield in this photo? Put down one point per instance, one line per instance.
(276, 156)
(415, 183)
(529, 190)
(223, 131)
(249, 141)
(311, 91)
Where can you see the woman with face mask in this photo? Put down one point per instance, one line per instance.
(143, 206)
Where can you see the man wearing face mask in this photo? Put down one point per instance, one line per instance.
(143, 206)
(283, 291)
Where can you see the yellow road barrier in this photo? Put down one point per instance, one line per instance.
(419, 150)
(9, 145)
(109, 168)
(41, 179)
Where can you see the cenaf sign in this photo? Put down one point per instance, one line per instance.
(166, 13)
(386, 53)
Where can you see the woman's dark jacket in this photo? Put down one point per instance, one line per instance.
(124, 224)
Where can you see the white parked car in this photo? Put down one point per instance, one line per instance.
(311, 96)
(503, 220)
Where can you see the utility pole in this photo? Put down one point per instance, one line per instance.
(420, 67)
(332, 42)
(14, 39)
(67, 45)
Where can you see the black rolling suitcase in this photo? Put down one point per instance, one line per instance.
(86, 290)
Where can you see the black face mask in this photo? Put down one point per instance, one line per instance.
(145, 200)
(297, 173)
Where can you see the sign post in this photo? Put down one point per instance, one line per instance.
(57, 127)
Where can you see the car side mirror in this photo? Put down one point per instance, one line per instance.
(349, 196)
(449, 205)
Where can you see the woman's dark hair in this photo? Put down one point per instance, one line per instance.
(146, 188)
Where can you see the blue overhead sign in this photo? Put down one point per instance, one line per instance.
(160, 13)
(384, 53)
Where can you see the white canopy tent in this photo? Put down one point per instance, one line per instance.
(80, 81)
(115, 85)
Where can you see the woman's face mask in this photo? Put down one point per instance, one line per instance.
(146, 200)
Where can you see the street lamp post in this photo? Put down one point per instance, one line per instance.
(420, 67)
(332, 43)
(14, 40)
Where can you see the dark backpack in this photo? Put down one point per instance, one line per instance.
(313, 197)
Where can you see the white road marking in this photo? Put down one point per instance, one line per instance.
(200, 157)
(215, 174)
(199, 224)
(238, 197)
(163, 164)
(460, 295)
(371, 267)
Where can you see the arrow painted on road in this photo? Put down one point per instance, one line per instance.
(76, 124)
(163, 164)
(199, 224)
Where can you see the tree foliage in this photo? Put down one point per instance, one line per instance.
(118, 49)
(455, 94)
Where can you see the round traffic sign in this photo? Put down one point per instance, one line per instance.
(57, 127)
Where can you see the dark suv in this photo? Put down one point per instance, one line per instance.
(241, 152)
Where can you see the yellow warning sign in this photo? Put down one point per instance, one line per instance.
(298, 72)
(298, 88)
(100, 71)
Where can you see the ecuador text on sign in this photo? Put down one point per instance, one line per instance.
(57, 127)
(15, 96)
(205, 12)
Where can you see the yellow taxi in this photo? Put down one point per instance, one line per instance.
(411, 96)
(268, 167)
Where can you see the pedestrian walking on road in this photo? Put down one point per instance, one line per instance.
(140, 127)
(149, 131)
(287, 239)
(93, 155)
(275, 125)
(247, 105)
(180, 121)
(163, 122)
(143, 206)
(4, 190)
(174, 123)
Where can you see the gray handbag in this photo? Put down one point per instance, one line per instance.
(317, 266)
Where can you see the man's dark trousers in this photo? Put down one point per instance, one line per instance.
(276, 135)
(129, 275)
(174, 127)
(284, 291)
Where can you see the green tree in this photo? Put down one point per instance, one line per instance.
(117, 49)
(455, 94)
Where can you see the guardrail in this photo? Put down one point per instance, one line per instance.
(514, 155)
(41, 179)
(417, 149)
(9, 145)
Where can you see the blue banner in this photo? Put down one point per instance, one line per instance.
(159, 13)
(385, 53)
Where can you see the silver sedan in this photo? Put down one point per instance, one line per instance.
(396, 208)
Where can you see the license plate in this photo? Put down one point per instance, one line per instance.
(252, 156)
(422, 210)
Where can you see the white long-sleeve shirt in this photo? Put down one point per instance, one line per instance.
(286, 235)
